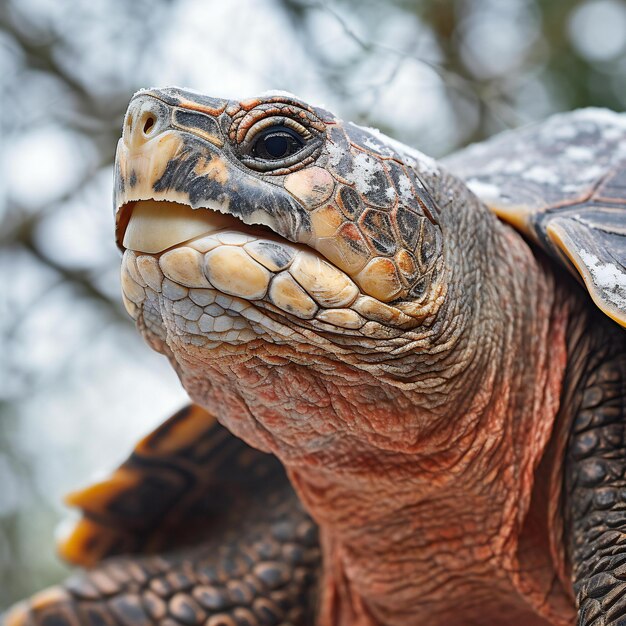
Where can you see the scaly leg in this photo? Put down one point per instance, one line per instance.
(595, 485)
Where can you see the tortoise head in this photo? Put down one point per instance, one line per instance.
(308, 178)
(270, 229)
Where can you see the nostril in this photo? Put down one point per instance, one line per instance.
(148, 125)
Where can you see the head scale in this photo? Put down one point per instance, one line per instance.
(347, 192)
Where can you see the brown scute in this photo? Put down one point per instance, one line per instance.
(249, 104)
(312, 186)
(380, 279)
(325, 221)
(347, 250)
(350, 203)
(100, 494)
(90, 542)
(377, 227)
(407, 265)
(128, 610)
(180, 431)
(167, 482)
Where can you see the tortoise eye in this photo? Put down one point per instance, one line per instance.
(276, 143)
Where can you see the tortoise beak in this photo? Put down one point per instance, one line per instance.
(152, 139)
(174, 155)
(148, 143)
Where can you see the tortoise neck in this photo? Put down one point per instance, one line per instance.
(421, 477)
(454, 512)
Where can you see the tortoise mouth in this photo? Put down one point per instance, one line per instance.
(155, 226)
(208, 249)
(175, 250)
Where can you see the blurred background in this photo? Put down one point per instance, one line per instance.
(77, 386)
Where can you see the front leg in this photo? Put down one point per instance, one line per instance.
(194, 529)
(595, 486)
(257, 571)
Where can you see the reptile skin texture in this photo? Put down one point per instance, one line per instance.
(595, 477)
(427, 381)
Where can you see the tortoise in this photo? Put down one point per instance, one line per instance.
(407, 408)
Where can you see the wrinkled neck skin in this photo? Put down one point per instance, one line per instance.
(418, 459)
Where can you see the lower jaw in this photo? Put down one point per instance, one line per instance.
(233, 287)
(204, 248)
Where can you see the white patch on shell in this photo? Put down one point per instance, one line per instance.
(578, 153)
(405, 187)
(514, 166)
(569, 152)
(611, 134)
(565, 131)
(595, 115)
(423, 163)
(543, 175)
(572, 188)
(608, 276)
(335, 153)
(593, 172)
(485, 191)
(363, 169)
(375, 145)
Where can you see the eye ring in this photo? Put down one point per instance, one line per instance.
(301, 131)
(295, 146)
(276, 143)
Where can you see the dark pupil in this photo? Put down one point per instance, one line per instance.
(277, 144)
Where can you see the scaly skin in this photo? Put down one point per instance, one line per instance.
(410, 447)
(411, 361)
(384, 466)
(595, 470)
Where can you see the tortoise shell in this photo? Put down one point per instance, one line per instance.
(563, 184)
